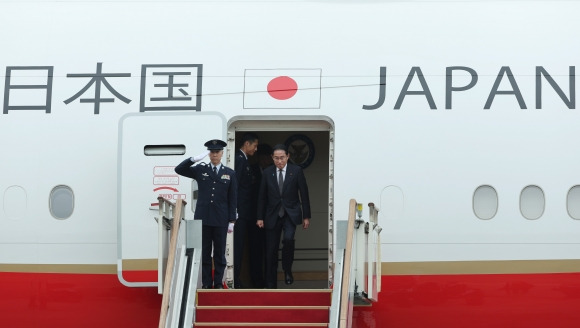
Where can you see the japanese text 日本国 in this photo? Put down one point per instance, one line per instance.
(162, 87)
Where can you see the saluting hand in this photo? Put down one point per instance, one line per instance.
(200, 156)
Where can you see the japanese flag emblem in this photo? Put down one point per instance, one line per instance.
(282, 88)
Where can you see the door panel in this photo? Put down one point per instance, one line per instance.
(150, 146)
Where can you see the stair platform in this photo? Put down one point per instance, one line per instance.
(262, 325)
(266, 297)
(263, 307)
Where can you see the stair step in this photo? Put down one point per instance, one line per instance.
(264, 297)
(264, 314)
(259, 324)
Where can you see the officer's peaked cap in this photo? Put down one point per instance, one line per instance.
(215, 144)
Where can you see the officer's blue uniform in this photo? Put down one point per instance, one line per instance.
(216, 207)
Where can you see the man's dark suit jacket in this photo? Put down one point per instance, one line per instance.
(294, 192)
(245, 180)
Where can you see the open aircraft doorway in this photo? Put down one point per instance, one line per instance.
(310, 143)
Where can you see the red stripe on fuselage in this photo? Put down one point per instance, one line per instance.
(475, 301)
(433, 301)
(140, 276)
(75, 300)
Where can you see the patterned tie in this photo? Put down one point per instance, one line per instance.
(280, 185)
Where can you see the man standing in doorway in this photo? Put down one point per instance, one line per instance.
(245, 215)
(283, 204)
(216, 207)
(257, 235)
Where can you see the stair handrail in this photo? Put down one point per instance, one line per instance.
(346, 298)
(377, 269)
(176, 209)
(342, 298)
(357, 273)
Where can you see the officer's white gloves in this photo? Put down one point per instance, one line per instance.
(230, 227)
(200, 156)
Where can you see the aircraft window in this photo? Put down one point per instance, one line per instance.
(392, 203)
(573, 202)
(15, 201)
(61, 202)
(485, 202)
(532, 202)
(164, 150)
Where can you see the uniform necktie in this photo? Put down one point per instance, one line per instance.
(214, 171)
(280, 185)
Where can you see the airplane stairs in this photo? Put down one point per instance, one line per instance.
(183, 304)
(262, 308)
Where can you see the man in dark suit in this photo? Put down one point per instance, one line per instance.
(257, 235)
(246, 219)
(216, 207)
(282, 205)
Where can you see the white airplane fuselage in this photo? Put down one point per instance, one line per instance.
(457, 119)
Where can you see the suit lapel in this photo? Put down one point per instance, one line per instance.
(274, 178)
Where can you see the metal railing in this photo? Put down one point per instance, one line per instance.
(179, 264)
(357, 269)
(356, 274)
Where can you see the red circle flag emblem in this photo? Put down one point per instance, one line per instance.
(282, 88)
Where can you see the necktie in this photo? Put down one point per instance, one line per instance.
(280, 181)
(214, 171)
(280, 185)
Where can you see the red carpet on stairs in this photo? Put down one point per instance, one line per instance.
(262, 308)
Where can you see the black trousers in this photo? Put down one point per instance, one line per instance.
(257, 254)
(215, 236)
(246, 232)
(288, 228)
(240, 233)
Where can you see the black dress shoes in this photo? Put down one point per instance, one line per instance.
(220, 286)
(288, 278)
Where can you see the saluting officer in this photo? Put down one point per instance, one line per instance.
(216, 207)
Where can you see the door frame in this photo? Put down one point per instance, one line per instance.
(297, 123)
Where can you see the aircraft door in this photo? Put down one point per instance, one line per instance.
(150, 146)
